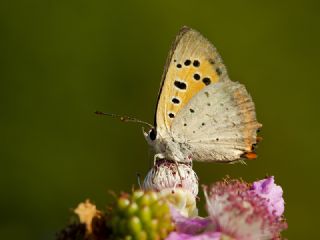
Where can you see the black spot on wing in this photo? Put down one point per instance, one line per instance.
(196, 76)
(179, 65)
(206, 81)
(187, 62)
(171, 115)
(218, 71)
(196, 63)
(180, 85)
(191, 110)
(175, 100)
(211, 61)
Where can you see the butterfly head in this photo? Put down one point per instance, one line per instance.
(167, 147)
(150, 136)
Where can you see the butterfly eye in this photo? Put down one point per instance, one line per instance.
(153, 134)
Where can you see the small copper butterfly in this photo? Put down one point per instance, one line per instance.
(201, 114)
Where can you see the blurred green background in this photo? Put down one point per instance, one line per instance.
(62, 60)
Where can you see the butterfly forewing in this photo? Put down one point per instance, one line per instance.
(193, 63)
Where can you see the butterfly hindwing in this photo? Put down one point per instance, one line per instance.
(193, 63)
(218, 124)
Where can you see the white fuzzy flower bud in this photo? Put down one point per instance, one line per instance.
(171, 175)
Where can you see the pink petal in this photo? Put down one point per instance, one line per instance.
(266, 188)
(203, 236)
(189, 225)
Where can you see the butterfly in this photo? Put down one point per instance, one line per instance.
(201, 115)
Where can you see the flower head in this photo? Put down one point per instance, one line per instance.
(171, 175)
(237, 210)
(243, 212)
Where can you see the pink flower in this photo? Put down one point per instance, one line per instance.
(237, 210)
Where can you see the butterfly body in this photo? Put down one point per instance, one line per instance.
(201, 114)
(169, 148)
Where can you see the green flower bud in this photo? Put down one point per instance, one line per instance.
(123, 203)
(141, 215)
(135, 225)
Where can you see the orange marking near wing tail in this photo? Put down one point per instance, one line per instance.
(250, 155)
(259, 139)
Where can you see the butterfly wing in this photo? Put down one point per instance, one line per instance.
(192, 64)
(218, 124)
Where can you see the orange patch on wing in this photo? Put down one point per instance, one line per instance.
(250, 155)
(187, 75)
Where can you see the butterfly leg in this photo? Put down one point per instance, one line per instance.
(179, 173)
(157, 156)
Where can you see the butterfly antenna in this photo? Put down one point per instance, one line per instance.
(123, 118)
